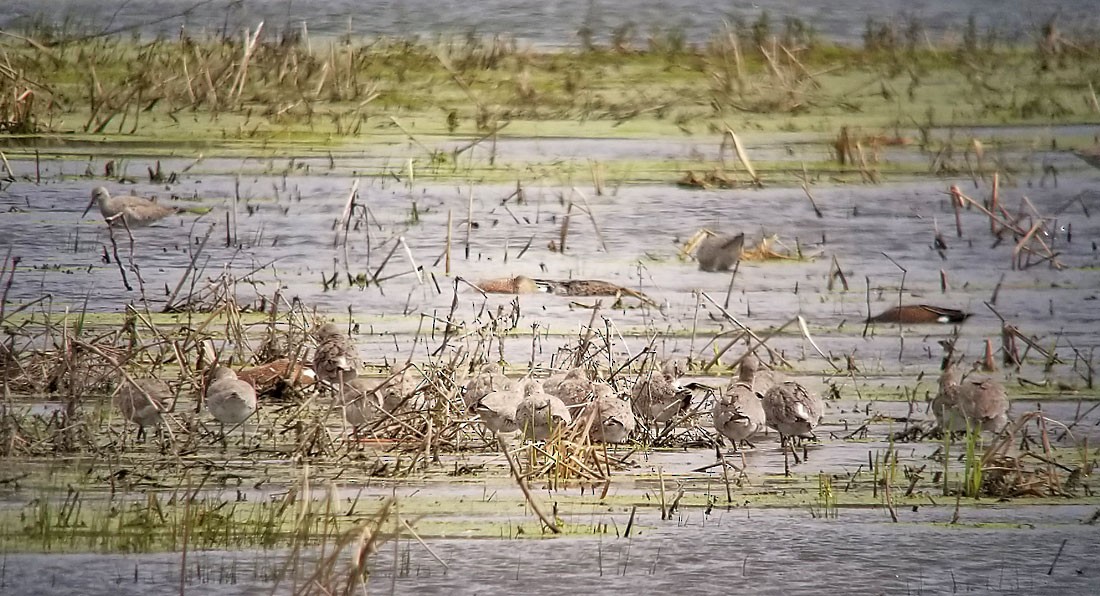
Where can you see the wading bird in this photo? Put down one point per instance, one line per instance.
(658, 396)
(361, 401)
(980, 404)
(615, 420)
(497, 409)
(539, 414)
(230, 400)
(792, 410)
(134, 211)
(487, 380)
(573, 387)
(738, 411)
(337, 359)
(142, 402)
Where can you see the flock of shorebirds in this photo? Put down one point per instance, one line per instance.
(538, 409)
(569, 403)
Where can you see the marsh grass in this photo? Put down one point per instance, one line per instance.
(258, 84)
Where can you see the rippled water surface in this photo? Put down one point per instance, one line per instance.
(1009, 550)
(553, 22)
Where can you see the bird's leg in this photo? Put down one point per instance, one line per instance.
(786, 457)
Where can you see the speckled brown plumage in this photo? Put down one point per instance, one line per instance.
(488, 379)
(572, 388)
(142, 402)
(792, 410)
(615, 420)
(658, 396)
(980, 403)
(539, 414)
(738, 411)
(336, 359)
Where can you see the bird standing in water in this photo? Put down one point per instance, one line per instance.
(230, 400)
(539, 414)
(133, 211)
(792, 410)
(980, 404)
(738, 412)
(142, 402)
(615, 420)
(658, 396)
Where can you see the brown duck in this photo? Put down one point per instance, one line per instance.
(911, 314)
(590, 287)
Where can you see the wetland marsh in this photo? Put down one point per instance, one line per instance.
(376, 181)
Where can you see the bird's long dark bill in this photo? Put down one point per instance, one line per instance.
(89, 207)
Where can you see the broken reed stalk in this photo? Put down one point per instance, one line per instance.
(809, 195)
(522, 482)
(469, 219)
(11, 276)
(752, 334)
(170, 303)
(447, 250)
(344, 222)
(118, 261)
(592, 217)
(564, 233)
(412, 261)
(729, 288)
(743, 156)
(993, 202)
(806, 334)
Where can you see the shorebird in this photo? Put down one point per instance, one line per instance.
(1089, 155)
(792, 410)
(980, 404)
(719, 253)
(361, 402)
(402, 391)
(135, 211)
(920, 313)
(497, 409)
(487, 380)
(573, 387)
(659, 397)
(738, 412)
(229, 399)
(520, 284)
(615, 420)
(337, 359)
(142, 402)
(539, 414)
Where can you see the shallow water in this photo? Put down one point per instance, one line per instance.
(289, 222)
(552, 23)
(773, 551)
